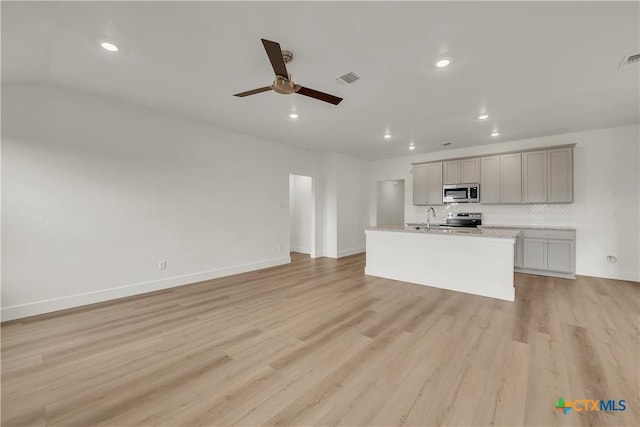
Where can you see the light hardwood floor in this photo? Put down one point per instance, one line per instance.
(318, 343)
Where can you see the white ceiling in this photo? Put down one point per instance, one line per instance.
(539, 68)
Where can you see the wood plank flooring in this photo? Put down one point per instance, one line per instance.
(318, 343)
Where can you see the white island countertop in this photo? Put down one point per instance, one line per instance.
(494, 233)
(530, 227)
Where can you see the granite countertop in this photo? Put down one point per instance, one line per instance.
(494, 233)
(529, 227)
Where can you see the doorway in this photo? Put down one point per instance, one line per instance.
(301, 215)
(390, 203)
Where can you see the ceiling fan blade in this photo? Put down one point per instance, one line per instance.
(319, 95)
(275, 56)
(253, 92)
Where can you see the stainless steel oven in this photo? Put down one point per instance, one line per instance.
(464, 219)
(461, 193)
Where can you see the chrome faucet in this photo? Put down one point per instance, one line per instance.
(430, 211)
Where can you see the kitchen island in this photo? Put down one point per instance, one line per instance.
(477, 261)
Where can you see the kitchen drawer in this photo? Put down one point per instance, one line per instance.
(550, 234)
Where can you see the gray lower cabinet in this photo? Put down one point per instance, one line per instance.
(535, 254)
(518, 252)
(560, 255)
(549, 252)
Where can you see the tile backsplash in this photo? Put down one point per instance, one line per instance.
(542, 214)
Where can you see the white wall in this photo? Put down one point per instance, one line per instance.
(353, 204)
(330, 200)
(300, 213)
(347, 204)
(97, 192)
(605, 213)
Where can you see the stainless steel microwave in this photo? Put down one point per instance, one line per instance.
(461, 193)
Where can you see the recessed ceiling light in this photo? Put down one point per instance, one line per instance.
(443, 62)
(483, 116)
(109, 46)
(387, 135)
(412, 147)
(495, 133)
(446, 144)
(293, 115)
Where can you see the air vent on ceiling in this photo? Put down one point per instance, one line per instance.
(630, 60)
(349, 78)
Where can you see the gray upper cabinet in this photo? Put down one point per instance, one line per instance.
(490, 179)
(541, 176)
(501, 179)
(427, 184)
(547, 176)
(465, 171)
(420, 182)
(534, 177)
(434, 193)
(451, 172)
(560, 178)
(511, 178)
(469, 171)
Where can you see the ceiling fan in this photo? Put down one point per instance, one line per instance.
(283, 83)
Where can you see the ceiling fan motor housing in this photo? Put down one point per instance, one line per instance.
(284, 86)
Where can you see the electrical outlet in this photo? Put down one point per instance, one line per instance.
(162, 265)
(279, 248)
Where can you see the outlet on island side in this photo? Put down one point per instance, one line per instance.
(162, 265)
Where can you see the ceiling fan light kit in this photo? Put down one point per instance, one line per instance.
(283, 83)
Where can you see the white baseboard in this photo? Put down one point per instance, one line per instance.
(545, 273)
(630, 276)
(300, 250)
(70, 301)
(351, 251)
